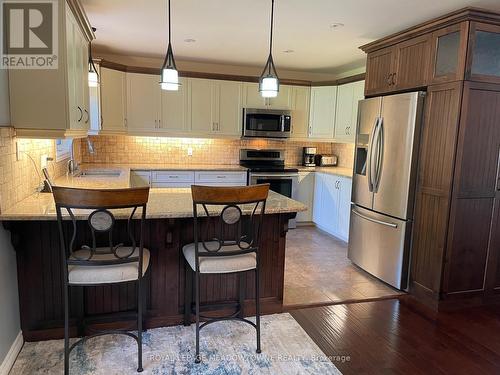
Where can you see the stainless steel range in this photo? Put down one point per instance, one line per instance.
(268, 167)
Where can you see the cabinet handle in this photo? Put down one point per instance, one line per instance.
(310, 130)
(88, 117)
(125, 122)
(102, 122)
(81, 114)
(159, 123)
(388, 79)
(498, 171)
(393, 79)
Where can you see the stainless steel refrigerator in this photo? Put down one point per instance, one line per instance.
(384, 185)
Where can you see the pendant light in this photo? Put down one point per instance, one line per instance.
(269, 84)
(93, 75)
(169, 74)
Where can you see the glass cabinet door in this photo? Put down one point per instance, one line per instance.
(448, 53)
(484, 53)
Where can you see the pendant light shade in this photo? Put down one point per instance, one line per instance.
(169, 74)
(269, 84)
(93, 75)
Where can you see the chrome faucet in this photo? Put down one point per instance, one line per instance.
(72, 164)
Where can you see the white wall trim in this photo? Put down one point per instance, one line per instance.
(11, 356)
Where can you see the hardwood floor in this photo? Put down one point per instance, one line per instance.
(318, 272)
(387, 337)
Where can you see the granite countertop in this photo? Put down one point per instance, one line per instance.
(338, 171)
(163, 202)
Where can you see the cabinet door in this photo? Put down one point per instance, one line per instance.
(305, 194)
(344, 207)
(83, 78)
(343, 113)
(202, 103)
(484, 53)
(318, 208)
(322, 114)
(143, 102)
(71, 55)
(447, 54)
(282, 101)
(358, 94)
(95, 107)
(174, 108)
(252, 98)
(330, 198)
(113, 99)
(229, 109)
(412, 63)
(379, 71)
(300, 111)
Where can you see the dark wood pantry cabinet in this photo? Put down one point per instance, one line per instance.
(455, 248)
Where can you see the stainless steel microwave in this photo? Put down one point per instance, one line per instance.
(266, 123)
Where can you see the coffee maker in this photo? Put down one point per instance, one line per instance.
(309, 154)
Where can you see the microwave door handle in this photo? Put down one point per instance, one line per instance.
(282, 121)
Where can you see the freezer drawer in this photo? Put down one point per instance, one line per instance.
(380, 245)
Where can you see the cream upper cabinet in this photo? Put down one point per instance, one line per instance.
(113, 99)
(54, 103)
(143, 103)
(322, 112)
(229, 109)
(215, 107)
(347, 110)
(202, 102)
(252, 98)
(300, 111)
(174, 109)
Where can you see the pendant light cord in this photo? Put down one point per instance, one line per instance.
(169, 23)
(272, 18)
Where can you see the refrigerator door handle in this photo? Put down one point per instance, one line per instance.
(370, 156)
(380, 154)
(392, 225)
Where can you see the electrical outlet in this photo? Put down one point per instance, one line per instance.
(44, 161)
(190, 151)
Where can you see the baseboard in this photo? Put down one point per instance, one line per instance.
(11, 356)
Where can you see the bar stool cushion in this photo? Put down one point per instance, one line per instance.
(116, 273)
(220, 264)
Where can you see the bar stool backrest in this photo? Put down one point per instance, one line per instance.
(94, 206)
(240, 211)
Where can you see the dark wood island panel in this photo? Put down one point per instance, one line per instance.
(39, 267)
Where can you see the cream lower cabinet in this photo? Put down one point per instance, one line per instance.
(54, 103)
(332, 201)
(322, 112)
(113, 89)
(301, 96)
(346, 114)
(305, 194)
(215, 107)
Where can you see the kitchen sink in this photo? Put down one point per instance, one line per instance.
(99, 173)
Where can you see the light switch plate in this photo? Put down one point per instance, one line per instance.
(190, 151)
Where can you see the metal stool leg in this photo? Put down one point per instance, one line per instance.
(197, 297)
(242, 286)
(188, 295)
(66, 328)
(257, 306)
(139, 325)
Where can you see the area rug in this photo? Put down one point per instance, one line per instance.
(226, 348)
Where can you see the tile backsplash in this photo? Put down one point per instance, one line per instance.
(128, 149)
(345, 152)
(19, 178)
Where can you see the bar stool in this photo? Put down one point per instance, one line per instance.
(229, 244)
(92, 265)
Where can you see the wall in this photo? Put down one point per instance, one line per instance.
(127, 149)
(9, 303)
(345, 153)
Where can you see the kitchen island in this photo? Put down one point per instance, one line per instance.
(169, 225)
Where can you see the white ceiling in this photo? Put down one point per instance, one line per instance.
(237, 31)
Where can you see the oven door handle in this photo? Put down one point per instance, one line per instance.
(280, 177)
